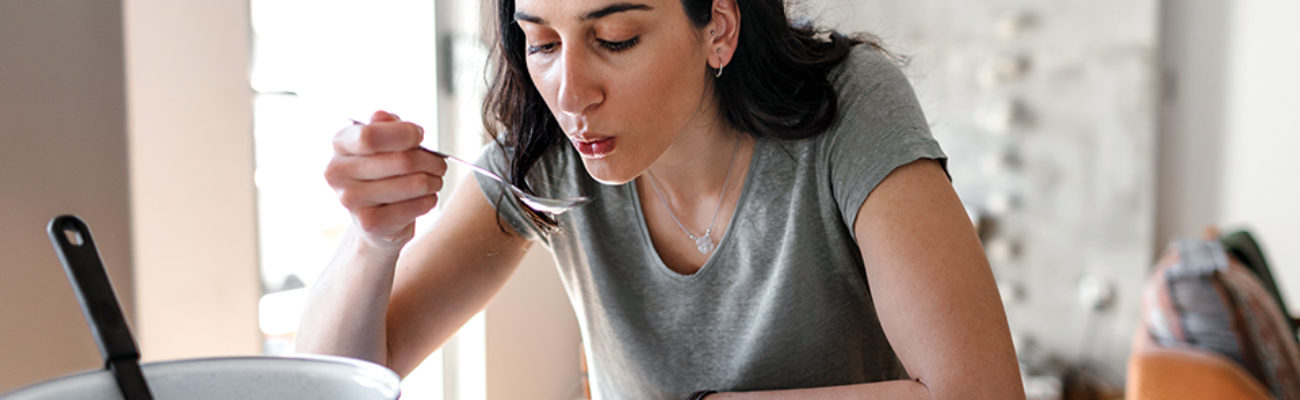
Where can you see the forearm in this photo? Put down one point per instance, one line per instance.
(900, 390)
(347, 305)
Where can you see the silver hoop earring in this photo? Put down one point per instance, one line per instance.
(720, 65)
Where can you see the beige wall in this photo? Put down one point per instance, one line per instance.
(62, 150)
(192, 191)
(179, 240)
(532, 335)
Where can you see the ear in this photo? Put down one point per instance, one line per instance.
(724, 30)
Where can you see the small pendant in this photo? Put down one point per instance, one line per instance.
(704, 243)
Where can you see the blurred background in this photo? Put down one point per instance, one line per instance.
(191, 136)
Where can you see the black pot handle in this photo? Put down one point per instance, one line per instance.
(81, 261)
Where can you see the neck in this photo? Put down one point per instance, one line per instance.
(695, 168)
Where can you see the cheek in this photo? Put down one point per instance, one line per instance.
(664, 95)
(538, 73)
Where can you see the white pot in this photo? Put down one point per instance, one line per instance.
(245, 378)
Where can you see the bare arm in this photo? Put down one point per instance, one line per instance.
(447, 275)
(388, 296)
(934, 294)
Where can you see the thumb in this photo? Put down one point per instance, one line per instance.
(383, 116)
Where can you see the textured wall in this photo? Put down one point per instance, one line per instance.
(1047, 112)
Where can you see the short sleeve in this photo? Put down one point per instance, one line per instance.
(493, 158)
(880, 127)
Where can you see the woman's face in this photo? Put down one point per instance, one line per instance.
(623, 79)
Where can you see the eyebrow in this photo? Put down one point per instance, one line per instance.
(596, 14)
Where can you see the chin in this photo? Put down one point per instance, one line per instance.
(607, 174)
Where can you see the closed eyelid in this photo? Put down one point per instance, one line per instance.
(600, 32)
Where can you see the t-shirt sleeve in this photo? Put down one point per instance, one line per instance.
(881, 128)
(493, 158)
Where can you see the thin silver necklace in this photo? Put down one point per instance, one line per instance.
(704, 243)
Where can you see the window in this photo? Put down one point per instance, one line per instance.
(317, 64)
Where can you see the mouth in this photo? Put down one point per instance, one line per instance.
(593, 147)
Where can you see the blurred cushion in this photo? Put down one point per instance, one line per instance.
(1187, 373)
(1200, 297)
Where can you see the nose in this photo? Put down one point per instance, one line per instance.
(580, 87)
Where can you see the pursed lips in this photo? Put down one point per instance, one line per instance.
(593, 146)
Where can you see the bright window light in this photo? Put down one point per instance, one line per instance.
(317, 64)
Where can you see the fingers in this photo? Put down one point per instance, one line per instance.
(384, 134)
(384, 178)
(392, 222)
(383, 116)
(363, 194)
(385, 210)
(363, 181)
(384, 165)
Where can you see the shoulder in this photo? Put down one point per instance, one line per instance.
(879, 127)
(876, 106)
(866, 58)
(867, 77)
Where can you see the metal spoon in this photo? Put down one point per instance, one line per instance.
(542, 204)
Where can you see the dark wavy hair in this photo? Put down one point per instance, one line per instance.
(777, 84)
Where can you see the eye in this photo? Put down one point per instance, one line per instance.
(619, 46)
(545, 48)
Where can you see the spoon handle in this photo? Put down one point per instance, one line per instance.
(85, 269)
(483, 171)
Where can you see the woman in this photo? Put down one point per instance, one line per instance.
(731, 247)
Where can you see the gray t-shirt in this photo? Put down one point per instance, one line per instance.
(783, 302)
